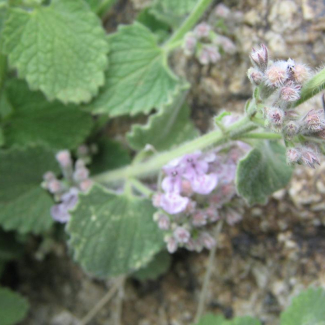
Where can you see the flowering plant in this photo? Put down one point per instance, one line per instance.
(171, 187)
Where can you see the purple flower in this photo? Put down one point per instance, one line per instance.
(60, 212)
(173, 182)
(194, 166)
(204, 184)
(173, 203)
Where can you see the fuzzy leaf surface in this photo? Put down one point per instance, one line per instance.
(113, 234)
(306, 308)
(155, 268)
(13, 307)
(138, 78)
(35, 120)
(210, 319)
(60, 49)
(169, 127)
(262, 172)
(24, 205)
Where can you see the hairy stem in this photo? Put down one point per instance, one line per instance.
(92, 313)
(315, 85)
(141, 187)
(207, 277)
(154, 164)
(262, 136)
(188, 24)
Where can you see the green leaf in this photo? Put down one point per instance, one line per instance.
(155, 268)
(110, 155)
(100, 6)
(172, 12)
(24, 205)
(211, 319)
(263, 171)
(60, 49)
(306, 308)
(158, 27)
(37, 121)
(169, 127)
(13, 307)
(220, 117)
(113, 234)
(138, 78)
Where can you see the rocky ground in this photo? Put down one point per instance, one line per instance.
(277, 249)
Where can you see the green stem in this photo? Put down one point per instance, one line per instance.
(189, 23)
(154, 164)
(315, 85)
(141, 187)
(265, 136)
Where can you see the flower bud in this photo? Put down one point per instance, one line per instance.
(171, 245)
(276, 74)
(314, 121)
(86, 185)
(222, 11)
(255, 76)
(260, 57)
(81, 174)
(209, 54)
(54, 186)
(163, 222)
(64, 158)
(309, 157)
(290, 92)
(181, 235)
(202, 30)
(301, 73)
(293, 156)
(156, 199)
(199, 219)
(189, 44)
(291, 129)
(48, 176)
(226, 43)
(275, 116)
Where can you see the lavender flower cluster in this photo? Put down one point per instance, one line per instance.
(206, 45)
(280, 84)
(65, 191)
(195, 189)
